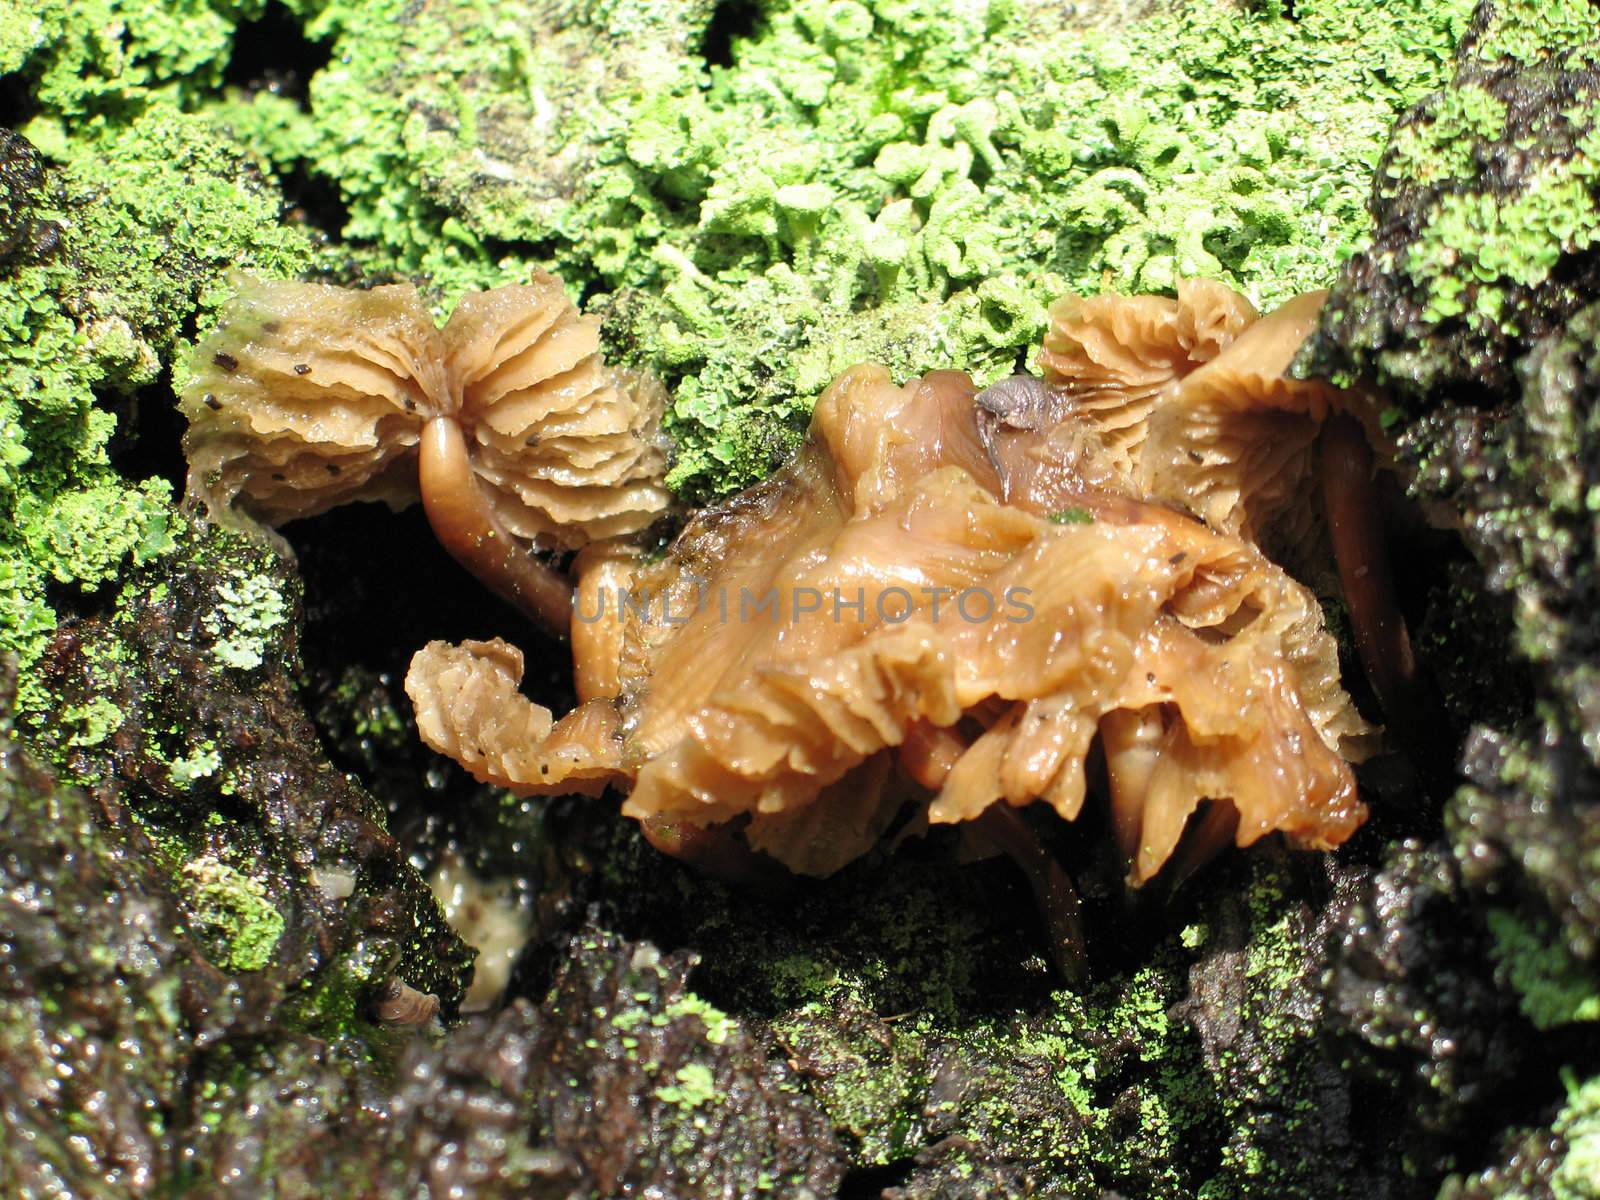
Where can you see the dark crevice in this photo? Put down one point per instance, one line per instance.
(314, 201)
(147, 442)
(731, 19)
(869, 1183)
(272, 54)
(16, 101)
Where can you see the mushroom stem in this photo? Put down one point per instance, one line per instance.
(927, 755)
(1351, 501)
(1052, 890)
(465, 523)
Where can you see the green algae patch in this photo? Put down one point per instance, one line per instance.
(233, 912)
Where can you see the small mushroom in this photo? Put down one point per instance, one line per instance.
(505, 423)
(398, 1003)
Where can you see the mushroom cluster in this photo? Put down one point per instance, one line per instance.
(956, 601)
(505, 423)
(951, 598)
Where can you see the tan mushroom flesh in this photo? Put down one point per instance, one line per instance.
(922, 582)
(505, 423)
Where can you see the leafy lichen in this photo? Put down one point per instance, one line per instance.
(1553, 987)
(857, 182)
(1578, 1176)
(247, 611)
(151, 217)
(234, 911)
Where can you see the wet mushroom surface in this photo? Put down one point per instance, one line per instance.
(506, 423)
(950, 602)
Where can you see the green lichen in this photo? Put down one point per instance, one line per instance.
(248, 609)
(889, 182)
(202, 763)
(1528, 31)
(1578, 1176)
(90, 723)
(152, 216)
(1440, 146)
(718, 1025)
(107, 58)
(1493, 240)
(696, 1086)
(233, 910)
(1553, 988)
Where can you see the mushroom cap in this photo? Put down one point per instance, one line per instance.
(1113, 358)
(468, 708)
(1235, 442)
(570, 449)
(307, 396)
(1192, 400)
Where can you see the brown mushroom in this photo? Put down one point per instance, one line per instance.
(506, 423)
(1237, 442)
(1113, 359)
(793, 644)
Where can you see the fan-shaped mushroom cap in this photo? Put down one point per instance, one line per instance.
(1113, 358)
(569, 448)
(468, 708)
(307, 396)
(1193, 401)
(1235, 443)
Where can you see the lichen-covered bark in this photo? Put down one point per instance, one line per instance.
(1488, 209)
(754, 197)
(1477, 306)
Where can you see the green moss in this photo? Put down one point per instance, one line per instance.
(870, 1077)
(1553, 988)
(233, 911)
